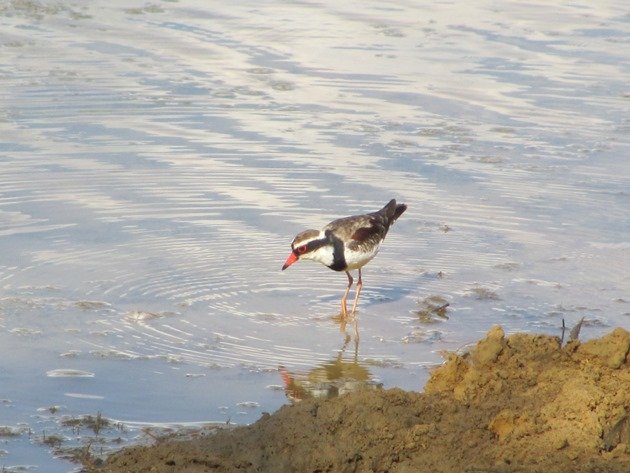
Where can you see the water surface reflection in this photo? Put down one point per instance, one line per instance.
(156, 160)
(342, 374)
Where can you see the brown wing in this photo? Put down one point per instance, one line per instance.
(358, 231)
(366, 230)
(367, 237)
(363, 233)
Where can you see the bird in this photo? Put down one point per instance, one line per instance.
(346, 244)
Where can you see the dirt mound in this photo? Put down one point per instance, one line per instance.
(513, 404)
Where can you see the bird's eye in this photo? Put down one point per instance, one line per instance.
(301, 249)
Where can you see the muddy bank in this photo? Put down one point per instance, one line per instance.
(513, 404)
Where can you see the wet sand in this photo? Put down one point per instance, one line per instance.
(520, 403)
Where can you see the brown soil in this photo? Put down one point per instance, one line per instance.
(513, 404)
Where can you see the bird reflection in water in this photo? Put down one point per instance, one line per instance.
(341, 375)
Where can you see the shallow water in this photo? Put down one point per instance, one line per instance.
(157, 159)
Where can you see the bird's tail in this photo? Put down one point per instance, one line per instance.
(393, 210)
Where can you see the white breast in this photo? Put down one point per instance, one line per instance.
(357, 259)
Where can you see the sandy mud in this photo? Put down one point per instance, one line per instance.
(520, 403)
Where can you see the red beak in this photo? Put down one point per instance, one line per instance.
(290, 260)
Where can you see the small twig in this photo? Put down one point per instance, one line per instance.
(575, 331)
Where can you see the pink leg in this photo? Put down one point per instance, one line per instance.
(344, 307)
(356, 298)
